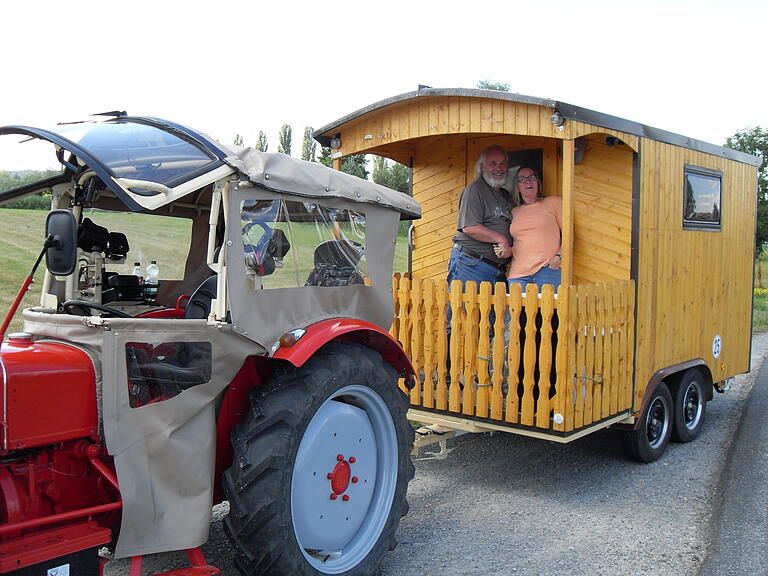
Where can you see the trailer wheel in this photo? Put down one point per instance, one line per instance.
(690, 405)
(649, 440)
(321, 467)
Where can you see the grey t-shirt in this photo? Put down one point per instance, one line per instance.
(481, 204)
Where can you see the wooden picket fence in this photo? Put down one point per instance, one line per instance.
(568, 368)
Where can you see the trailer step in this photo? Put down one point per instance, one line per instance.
(43, 545)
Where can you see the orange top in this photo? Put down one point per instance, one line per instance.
(535, 230)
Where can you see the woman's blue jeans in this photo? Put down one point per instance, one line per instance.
(544, 276)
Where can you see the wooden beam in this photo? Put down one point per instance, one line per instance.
(567, 242)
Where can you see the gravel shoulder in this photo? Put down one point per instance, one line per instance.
(502, 504)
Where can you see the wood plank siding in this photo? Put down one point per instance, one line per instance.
(692, 284)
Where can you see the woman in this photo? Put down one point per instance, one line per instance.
(536, 229)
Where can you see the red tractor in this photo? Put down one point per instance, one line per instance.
(258, 369)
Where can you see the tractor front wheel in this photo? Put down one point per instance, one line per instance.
(321, 466)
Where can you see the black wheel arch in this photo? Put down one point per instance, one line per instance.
(670, 375)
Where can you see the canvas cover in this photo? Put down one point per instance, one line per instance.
(282, 173)
(164, 452)
(264, 315)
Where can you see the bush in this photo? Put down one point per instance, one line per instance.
(39, 201)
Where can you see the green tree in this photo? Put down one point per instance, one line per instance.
(308, 146)
(390, 174)
(261, 142)
(284, 144)
(755, 141)
(238, 140)
(355, 165)
(325, 156)
(488, 85)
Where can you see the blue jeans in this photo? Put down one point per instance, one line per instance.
(544, 276)
(462, 266)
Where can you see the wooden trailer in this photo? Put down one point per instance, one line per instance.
(658, 246)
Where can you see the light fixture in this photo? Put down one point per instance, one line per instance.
(336, 142)
(557, 118)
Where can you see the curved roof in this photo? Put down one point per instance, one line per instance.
(568, 111)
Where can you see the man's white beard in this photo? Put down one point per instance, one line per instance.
(494, 182)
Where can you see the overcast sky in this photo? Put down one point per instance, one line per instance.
(690, 67)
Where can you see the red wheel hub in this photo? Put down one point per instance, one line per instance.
(340, 476)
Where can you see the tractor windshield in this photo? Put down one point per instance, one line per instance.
(290, 244)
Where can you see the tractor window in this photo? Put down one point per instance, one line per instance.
(702, 199)
(158, 372)
(148, 237)
(291, 244)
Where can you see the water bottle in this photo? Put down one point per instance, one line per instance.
(137, 270)
(151, 281)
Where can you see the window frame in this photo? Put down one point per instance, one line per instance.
(689, 224)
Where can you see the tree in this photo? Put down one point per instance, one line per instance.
(325, 156)
(261, 142)
(238, 140)
(488, 85)
(755, 141)
(309, 146)
(355, 165)
(390, 174)
(284, 144)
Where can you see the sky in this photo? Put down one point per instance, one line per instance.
(231, 67)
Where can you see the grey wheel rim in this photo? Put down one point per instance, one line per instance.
(657, 422)
(693, 406)
(344, 479)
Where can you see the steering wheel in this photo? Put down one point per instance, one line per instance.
(71, 306)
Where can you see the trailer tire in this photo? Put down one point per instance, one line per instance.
(648, 441)
(690, 405)
(321, 466)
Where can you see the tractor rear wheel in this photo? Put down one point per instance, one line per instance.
(321, 467)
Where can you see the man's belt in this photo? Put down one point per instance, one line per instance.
(500, 265)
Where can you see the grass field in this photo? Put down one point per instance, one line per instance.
(21, 238)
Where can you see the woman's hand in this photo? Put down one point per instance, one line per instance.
(555, 262)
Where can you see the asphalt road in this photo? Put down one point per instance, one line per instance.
(506, 505)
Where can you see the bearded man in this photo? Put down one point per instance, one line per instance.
(482, 245)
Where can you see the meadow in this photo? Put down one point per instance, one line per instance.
(22, 233)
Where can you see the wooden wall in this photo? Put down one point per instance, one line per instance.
(602, 213)
(692, 284)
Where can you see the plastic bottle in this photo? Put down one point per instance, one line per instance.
(137, 270)
(151, 281)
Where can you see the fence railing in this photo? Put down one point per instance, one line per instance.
(542, 360)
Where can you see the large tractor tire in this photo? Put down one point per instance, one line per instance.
(321, 466)
(649, 440)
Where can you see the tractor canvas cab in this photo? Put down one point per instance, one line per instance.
(259, 369)
(657, 249)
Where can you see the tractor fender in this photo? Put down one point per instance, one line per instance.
(347, 330)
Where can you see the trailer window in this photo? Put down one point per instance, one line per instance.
(702, 198)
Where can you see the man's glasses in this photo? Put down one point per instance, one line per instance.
(531, 178)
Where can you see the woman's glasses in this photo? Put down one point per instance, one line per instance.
(531, 178)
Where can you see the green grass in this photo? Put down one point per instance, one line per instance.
(21, 238)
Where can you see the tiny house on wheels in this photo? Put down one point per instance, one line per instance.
(654, 310)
